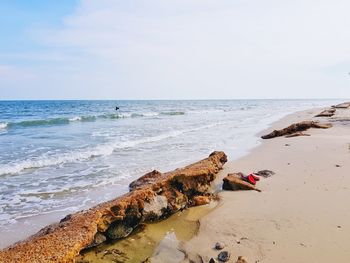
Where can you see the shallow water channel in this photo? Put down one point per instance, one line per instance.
(157, 242)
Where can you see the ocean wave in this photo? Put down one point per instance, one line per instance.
(88, 118)
(173, 113)
(57, 159)
(80, 155)
(144, 114)
(43, 122)
(89, 153)
(57, 121)
(150, 114)
(105, 116)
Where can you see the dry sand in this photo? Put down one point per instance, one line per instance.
(302, 213)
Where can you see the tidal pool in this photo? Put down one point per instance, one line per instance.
(157, 242)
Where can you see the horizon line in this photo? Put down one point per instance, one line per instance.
(184, 99)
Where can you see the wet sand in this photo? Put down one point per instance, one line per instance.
(302, 213)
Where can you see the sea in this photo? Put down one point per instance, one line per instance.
(58, 157)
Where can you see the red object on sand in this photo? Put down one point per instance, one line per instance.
(256, 178)
(251, 179)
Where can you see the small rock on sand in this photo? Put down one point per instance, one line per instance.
(224, 256)
(265, 173)
(219, 246)
(241, 260)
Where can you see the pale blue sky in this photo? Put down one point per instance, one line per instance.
(174, 49)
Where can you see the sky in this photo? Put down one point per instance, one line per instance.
(178, 49)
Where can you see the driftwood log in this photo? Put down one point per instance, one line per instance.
(326, 113)
(154, 196)
(296, 128)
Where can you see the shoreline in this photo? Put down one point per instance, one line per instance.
(192, 247)
(300, 216)
(29, 225)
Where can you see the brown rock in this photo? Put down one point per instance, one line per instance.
(327, 113)
(219, 245)
(234, 182)
(201, 200)
(241, 260)
(344, 105)
(296, 127)
(147, 179)
(159, 194)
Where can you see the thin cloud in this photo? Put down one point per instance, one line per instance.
(203, 49)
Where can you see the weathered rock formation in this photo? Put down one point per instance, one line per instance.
(327, 113)
(344, 105)
(234, 182)
(295, 128)
(154, 196)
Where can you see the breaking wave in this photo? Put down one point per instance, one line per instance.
(89, 118)
(3, 125)
(31, 123)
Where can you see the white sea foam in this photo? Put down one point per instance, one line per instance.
(142, 114)
(150, 114)
(76, 118)
(3, 125)
(57, 159)
(85, 154)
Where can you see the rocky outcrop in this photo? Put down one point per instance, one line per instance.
(296, 128)
(327, 113)
(152, 197)
(234, 182)
(344, 105)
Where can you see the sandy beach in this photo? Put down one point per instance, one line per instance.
(301, 215)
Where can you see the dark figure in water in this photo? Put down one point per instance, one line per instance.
(117, 108)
